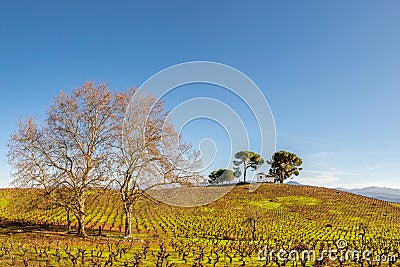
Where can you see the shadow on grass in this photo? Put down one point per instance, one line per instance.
(19, 227)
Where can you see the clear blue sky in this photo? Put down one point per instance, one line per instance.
(329, 69)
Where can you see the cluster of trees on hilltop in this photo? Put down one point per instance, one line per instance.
(78, 148)
(284, 165)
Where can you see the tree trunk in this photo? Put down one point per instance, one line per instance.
(81, 219)
(128, 219)
(244, 173)
(68, 221)
(81, 225)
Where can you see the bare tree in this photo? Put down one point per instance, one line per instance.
(68, 155)
(177, 162)
(151, 153)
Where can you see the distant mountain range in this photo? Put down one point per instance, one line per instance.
(381, 193)
(293, 183)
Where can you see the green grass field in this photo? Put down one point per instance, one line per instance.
(228, 232)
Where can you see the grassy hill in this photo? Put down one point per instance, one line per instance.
(227, 232)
